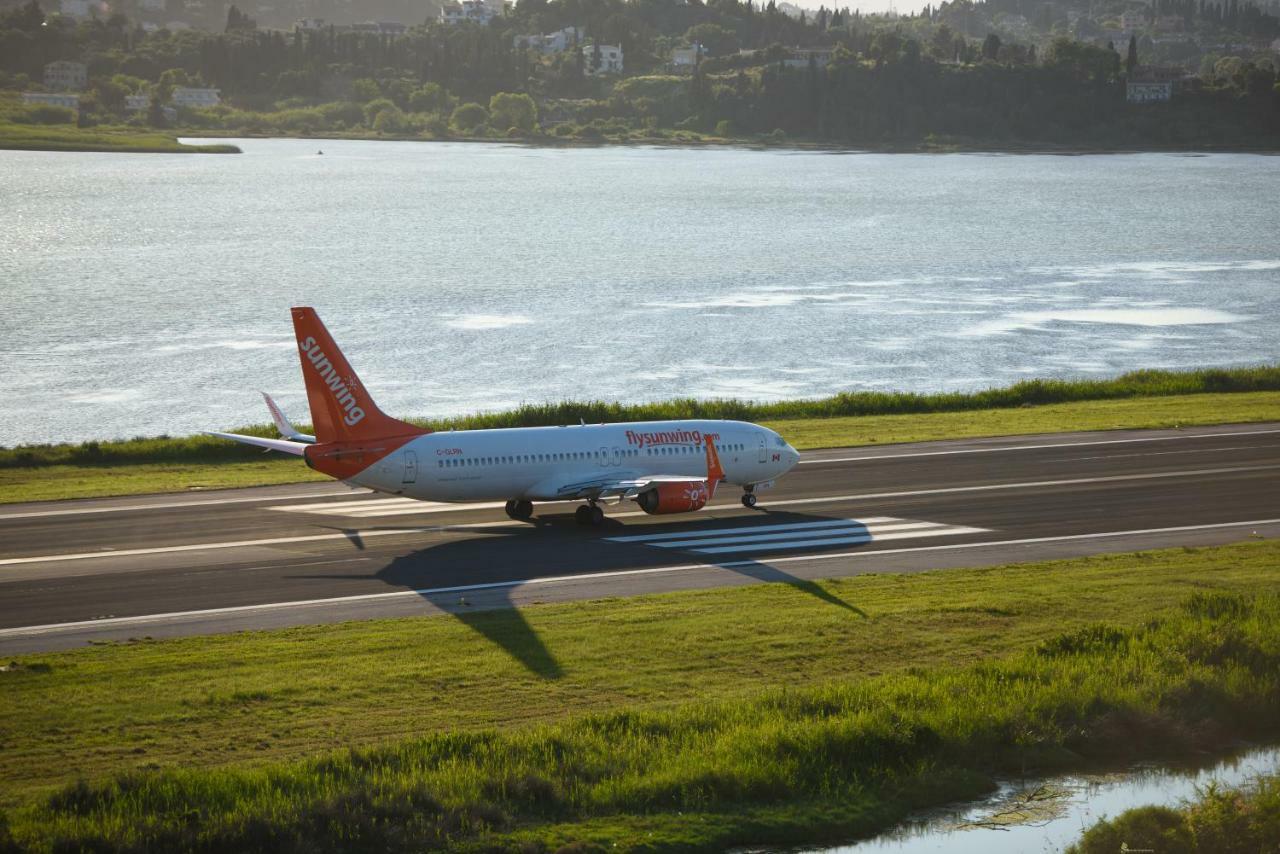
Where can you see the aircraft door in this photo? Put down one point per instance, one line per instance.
(604, 456)
(617, 457)
(764, 452)
(410, 467)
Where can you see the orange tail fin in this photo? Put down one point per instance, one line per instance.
(715, 473)
(341, 408)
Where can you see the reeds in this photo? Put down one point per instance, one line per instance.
(1195, 678)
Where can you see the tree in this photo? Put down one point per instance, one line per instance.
(509, 110)
(1131, 61)
(991, 47)
(468, 118)
(427, 98)
(718, 40)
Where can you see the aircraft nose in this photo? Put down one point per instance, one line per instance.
(793, 457)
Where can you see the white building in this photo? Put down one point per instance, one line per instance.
(476, 11)
(1132, 22)
(66, 76)
(802, 56)
(557, 42)
(137, 103)
(52, 99)
(610, 61)
(77, 8)
(1148, 91)
(687, 57)
(186, 96)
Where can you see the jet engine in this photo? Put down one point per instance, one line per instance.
(674, 497)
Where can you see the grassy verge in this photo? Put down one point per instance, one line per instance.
(1245, 819)
(681, 678)
(72, 138)
(173, 465)
(850, 755)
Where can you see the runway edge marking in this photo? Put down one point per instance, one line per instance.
(29, 631)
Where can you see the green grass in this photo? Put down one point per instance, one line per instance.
(779, 758)
(128, 467)
(705, 707)
(72, 138)
(1219, 820)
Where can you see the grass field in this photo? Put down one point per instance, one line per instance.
(176, 465)
(71, 138)
(651, 674)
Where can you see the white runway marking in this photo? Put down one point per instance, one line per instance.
(53, 628)
(169, 505)
(830, 532)
(384, 507)
(312, 538)
(1007, 448)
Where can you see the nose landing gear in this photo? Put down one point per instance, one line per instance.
(748, 496)
(589, 515)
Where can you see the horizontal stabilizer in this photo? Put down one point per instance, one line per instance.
(295, 448)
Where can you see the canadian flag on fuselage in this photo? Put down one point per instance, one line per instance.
(341, 408)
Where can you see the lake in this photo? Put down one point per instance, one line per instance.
(148, 294)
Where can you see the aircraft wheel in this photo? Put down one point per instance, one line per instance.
(583, 514)
(511, 509)
(748, 499)
(523, 509)
(597, 515)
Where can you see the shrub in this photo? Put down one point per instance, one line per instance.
(508, 110)
(44, 114)
(373, 108)
(468, 117)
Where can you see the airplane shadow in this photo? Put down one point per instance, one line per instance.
(453, 575)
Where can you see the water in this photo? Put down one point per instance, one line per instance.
(1083, 801)
(147, 294)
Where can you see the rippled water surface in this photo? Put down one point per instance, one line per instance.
(1004, 824)
(149, 293)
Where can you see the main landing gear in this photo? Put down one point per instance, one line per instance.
(589, 515)
(521, 510)
(749, 496)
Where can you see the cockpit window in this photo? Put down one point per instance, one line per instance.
(780, 442)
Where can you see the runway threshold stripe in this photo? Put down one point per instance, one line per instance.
(753, 529)
(822, 542)
(315, 538)
(850, 527)
(27, 631)
(1008, 448)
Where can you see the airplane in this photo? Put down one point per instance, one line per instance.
(663, 466)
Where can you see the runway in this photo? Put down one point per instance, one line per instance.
(199, 563)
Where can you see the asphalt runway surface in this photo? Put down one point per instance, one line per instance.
(208, 562)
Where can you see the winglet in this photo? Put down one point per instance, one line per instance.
(715, 473)
(282, 424)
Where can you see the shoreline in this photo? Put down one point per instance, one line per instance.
(924, 147)
(170, 141)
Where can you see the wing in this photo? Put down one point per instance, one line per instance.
(615, 489)
(295, 448)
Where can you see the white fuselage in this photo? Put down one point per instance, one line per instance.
(548, 463)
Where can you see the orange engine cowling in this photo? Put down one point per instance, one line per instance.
(675, 497)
